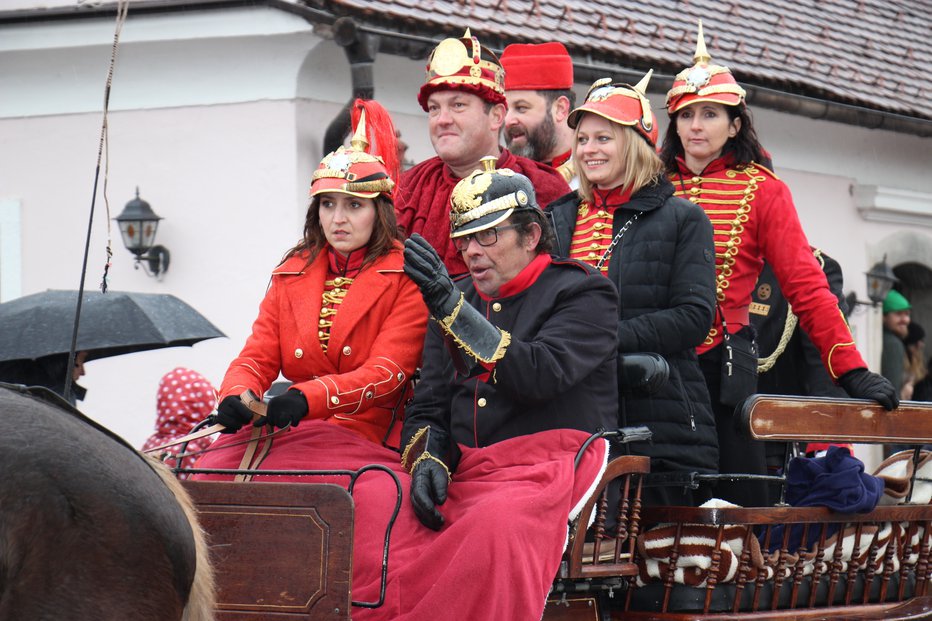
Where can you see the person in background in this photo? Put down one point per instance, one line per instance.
(184, 398)
(48, 372)
(340, 320)
(526, 343)
(789, 363)
(712, 156)
(539, 91)
(915, 369)
(896, 320)
(464, 97)
(625, 222)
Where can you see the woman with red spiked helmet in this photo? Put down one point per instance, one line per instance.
(713, 157)
(340, 319)
(624, 221)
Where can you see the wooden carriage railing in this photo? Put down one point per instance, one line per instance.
(882, 569)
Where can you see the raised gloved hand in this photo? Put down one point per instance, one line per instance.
(232, 413)
(864, 384)
(429, 482)
(286, 409)
(424, 267)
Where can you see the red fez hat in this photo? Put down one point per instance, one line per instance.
(464, 65)
(537, 67)
(620, 103)
(703, 82)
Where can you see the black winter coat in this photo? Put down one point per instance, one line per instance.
(558, 371)
(664, 269)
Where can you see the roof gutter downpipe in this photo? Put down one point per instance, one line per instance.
(360, 48)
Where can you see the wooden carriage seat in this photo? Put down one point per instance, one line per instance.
(280, 550)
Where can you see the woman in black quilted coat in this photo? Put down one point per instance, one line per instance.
(658, 250)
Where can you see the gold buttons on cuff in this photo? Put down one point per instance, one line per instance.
(347, 350)
(481, 402)
(334, 400)
(298, 352)
(496, 306)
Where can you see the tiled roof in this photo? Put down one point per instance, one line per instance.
(870, 53)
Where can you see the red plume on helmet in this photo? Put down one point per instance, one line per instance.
(368, 166)
(380, 134)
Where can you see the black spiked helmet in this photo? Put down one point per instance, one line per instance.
(487, 197)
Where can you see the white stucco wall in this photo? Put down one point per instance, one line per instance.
(219, 119)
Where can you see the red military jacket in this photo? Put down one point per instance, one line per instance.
(374, 347)
(754, 219)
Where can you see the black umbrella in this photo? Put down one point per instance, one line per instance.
(111, 324)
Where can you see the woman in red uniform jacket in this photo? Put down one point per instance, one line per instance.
(340, 320)
(713, 158)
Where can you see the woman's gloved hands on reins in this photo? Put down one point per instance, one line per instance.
(284, 410)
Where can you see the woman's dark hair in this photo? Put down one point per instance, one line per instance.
(745, 146)
(384, 232)
(523, 220)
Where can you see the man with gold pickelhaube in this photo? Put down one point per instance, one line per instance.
(714, 159)
(464, 97)
(526, 343)
(539, 90)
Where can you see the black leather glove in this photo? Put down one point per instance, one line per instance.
(232, 413)
(864, 384)
(429, 456)
(286, 409)
(424, 267)
(642, 373)
(428, 490)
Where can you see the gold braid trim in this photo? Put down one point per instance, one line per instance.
(447, 321)
(424, 457)
(765, 364)
(414, 440)
(503, 344)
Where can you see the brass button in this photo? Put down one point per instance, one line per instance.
(496, 306)
(338, 281)
(400, 377)
(696, 179)
(347, 350)
(298, 352)
(320, 334)
(368, 394)
(694, 190)
(591, 255)
(334, 400)
(694, 199)
(322, 322)
(481, 402)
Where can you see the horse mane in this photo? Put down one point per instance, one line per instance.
(201, 601)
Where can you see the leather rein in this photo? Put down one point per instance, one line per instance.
(254, 455)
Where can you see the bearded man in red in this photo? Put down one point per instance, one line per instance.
(464, 97)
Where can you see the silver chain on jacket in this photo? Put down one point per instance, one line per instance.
(617, 238)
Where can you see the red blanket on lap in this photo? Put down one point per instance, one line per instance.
(506, 520)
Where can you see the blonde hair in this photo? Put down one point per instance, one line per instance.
(642, 164)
